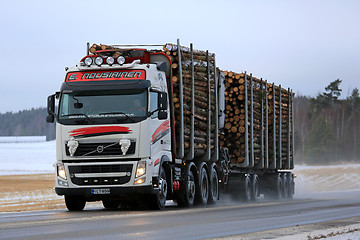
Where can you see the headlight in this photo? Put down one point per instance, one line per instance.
(99, 61)
(88, 61)
(140, 169)
(140, 181)
(61, 171)
(110, 60)
(120, 60)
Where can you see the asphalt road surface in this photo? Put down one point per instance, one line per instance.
(224, 219)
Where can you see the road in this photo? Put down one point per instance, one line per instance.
(224, 219)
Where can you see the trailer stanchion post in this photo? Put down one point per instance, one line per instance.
(251, 122)
(280, 131)
(190, 154)
(288, 130)
(273, 165)
(262, 160)
(215, 157)
(245, 163)
(207, 155)
(181, 141)
(292, 131)
(266, 126)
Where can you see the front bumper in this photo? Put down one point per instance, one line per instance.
(125, 193)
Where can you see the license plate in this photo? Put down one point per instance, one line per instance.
(100, 191)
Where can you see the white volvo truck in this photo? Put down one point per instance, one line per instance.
(119, 140)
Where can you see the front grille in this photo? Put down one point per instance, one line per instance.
(126, 169)
(100, 149)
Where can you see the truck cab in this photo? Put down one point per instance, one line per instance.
(113, 129)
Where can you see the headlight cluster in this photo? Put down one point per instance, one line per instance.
(140, 172)
(61, 170)
(88, 61)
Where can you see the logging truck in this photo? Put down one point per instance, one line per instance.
(151, 123)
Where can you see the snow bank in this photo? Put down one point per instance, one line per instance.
(27, 158)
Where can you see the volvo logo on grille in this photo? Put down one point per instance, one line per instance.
(100, 149)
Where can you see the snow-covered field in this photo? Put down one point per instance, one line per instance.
(38, 157)
(27, 158)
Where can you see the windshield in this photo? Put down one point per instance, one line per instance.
(107, 106)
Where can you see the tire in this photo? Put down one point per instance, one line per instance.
(75, 203)
(111, 204)
(291, 185)
(214, 186)
(186, 195)
(255, 190)
(277, 187)
(203, 187)
(246, 189)
(285, 188)
(158, 201)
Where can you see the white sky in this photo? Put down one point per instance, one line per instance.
(302, 44)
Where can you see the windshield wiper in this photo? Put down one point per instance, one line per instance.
(77, 114)
(131, 119)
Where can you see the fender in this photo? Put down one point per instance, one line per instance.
(192, 167)
(201, 165)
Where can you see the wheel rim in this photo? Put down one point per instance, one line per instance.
(204, 187)
(214, 185)
(163, 187)
(191, 190)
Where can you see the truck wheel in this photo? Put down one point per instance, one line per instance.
(277, 187)
(285, 187)
(203, 187)
(246, 193)
(291, 185)
(110, 204)
(158, 200)
(255, 191)
(214, 186)
(75, 203)
(186, 195)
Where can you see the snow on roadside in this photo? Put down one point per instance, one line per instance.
(326, 178)
(27, 158)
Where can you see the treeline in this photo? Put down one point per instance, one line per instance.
(327, 129)
(26, 123)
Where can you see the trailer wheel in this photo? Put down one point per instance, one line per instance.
(158, 200)
(277, 187)
(247, 189)
(255, 190)
(186, 195)
(75, 203)
(203, 187)
(285, 187)
(291, 185)
(110, 204)
(214, 186)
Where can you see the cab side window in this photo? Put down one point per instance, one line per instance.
(154, 104)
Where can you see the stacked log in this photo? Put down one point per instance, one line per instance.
(280, 124)
(203, 69)
(245, 100)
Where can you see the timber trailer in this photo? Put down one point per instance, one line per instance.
(150, 123)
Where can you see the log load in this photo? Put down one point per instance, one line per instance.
(199, 64)
(240, 126)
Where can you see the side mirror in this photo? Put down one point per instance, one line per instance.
(51, 104)
(162, 101)
(50, 118)
(51, 108)
(162, 115)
